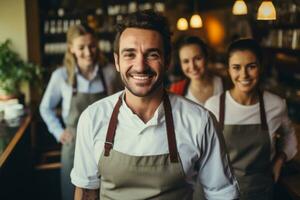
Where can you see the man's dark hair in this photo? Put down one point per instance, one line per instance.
(245, 44)
(147, 19)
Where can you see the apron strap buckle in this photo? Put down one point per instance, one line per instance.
(107, 147)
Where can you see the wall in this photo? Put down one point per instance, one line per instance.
(13, 25)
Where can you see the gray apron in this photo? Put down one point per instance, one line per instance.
(125, 177)
(249, 151)
(79, 102)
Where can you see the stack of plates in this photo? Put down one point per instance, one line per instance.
(11, 113)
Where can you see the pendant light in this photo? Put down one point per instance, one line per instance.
(239, 8)
(196, 21)
(266, 11)
(182, 24)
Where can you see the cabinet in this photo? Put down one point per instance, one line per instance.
(102, 16)
(281, 44)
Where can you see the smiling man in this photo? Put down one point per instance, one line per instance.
(145, 143)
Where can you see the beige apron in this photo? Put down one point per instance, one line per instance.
(125, 177)
(249, 150)
(79, 102)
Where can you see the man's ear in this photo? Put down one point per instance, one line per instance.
(116, 58)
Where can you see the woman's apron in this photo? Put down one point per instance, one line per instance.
(126, 177)
(79, 102)
(249, 150)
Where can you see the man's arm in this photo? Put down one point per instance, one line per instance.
(214, 160)
(86, 194)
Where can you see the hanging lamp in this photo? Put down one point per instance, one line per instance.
(239, 8)
(196, 21)
(266, 11)
(182, 24)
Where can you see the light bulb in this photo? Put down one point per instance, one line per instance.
(266, 11)
(182, 24)
(196, 21)
(239, 8)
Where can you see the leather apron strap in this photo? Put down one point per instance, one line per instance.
(262, 111)
(169, 126)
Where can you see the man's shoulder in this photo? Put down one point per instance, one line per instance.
(104, 105)
(186, 106)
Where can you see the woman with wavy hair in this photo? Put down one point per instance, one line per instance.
(77, 84)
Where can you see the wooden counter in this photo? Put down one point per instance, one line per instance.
(15, 161)
(10, 136)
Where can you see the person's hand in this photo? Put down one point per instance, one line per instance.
(277, 166)
(66, 137)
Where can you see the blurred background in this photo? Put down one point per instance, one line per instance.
(36, 29)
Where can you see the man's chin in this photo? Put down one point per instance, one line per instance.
(142, 92)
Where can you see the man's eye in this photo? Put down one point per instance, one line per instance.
(128, 55)
(153, 56)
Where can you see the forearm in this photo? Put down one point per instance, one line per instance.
(280, 156)
(52, 121)
(278, 162)
(86, 194)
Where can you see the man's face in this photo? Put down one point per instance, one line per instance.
(141, 61)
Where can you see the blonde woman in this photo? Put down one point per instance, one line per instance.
(77, 84)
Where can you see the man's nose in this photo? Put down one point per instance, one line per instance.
(141, 63)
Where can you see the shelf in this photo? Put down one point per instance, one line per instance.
(62, 36)
(294, 52)
(58, 37)
(279, 26)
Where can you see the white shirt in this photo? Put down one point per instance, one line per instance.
(218, 88)
(197, 142)
(276, 114)
(59, 90)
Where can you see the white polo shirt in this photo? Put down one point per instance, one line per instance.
(198, 143)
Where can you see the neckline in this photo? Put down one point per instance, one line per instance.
(238, 104)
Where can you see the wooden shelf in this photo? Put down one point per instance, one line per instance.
(295, 52)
